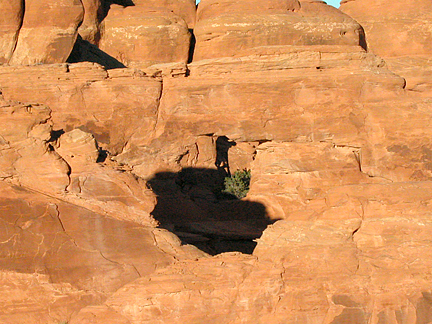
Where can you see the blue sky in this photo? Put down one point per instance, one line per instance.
(334, 3)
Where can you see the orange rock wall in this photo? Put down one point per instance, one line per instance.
(400, 32)
(109, 176)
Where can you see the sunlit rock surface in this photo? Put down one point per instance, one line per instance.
(399, 31)
(39, 31)
(140, 36)
(234, 28)
(113, 207)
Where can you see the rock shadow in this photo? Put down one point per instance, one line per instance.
(192, 45)
(106, 6)
(191, 204)
(363, 41)
(84, 51)
(124, 3)
(223, 144)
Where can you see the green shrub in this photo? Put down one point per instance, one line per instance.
(238, 183)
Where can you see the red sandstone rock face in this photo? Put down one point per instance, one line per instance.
(56, 241)
(69, 222)
(48, 40)
(290, 178)
(93, 15)
(339, 151)
(224, 29)
(139, 36)
(32, 157)
(186, 9)
(138, 33)
(352, 228)
(212, 8)
(247, 101)
(32, 292)
(400, 32)
(393, 28)
(375, 273)
(293, 178)
(88, 97)
(25, 153)
(10, 24)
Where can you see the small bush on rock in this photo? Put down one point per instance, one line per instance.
(238, 183)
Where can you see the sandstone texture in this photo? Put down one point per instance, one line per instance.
(10, 25)
(55, 199)
(90, 98)
(47, 31)
(400, 32)
(114, 164)
(186, 9)
(143, 33)
(94, 11)
(139, 36)
(135, 33)
(228, 28)
(393, 28)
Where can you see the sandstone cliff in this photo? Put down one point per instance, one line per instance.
(400, 32)
(114, 150)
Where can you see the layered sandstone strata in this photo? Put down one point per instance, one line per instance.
(246, 99)
(340, 154)
(114, 106)
(358, 261)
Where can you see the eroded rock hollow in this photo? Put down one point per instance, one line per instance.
(125, 125)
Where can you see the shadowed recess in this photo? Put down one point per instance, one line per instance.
(191, 204)
(192, 45)
(124, 3)
(83, 51)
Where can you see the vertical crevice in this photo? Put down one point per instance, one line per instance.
(192, 45)
(362, 39)
(23, 9)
